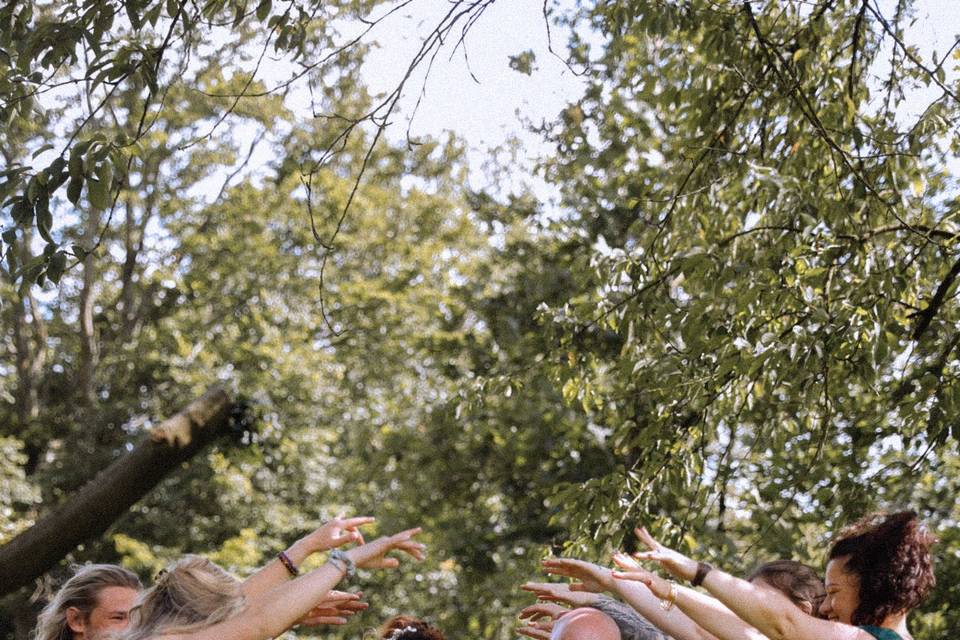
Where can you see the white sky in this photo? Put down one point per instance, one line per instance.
(488, 113)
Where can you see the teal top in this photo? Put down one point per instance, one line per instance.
(882, 634)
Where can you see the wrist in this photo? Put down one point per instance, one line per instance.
(300, 551)
(702, 570)
(343, 562)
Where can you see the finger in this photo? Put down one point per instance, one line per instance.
(636, 576)
(624, 561)
(539, 586)
(557, 570)
(652, 556)
(330, 620)
(645, 538)
(340, 540)
(340, 596)
(354, 606)
(409, 533)
(578, 586)
(350, 523)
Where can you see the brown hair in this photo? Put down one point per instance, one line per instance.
(410, 628)
(191, 594)
(795, 580)
(81, 592)
(890, 554)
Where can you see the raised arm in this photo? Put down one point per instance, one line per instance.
(335, 533)
(593, 577)
(766, 609)
(280, 608)
(707, 612)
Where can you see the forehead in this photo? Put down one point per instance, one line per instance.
(116, 598)
(837, 575)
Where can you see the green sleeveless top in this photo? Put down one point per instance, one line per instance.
(882, 634)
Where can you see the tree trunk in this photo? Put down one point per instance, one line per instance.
(95, 506)
(88, 336)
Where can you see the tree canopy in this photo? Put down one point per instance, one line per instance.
(739, 326)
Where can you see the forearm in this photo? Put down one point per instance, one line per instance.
(632, 625)
(674, 622)
(714, 617)
(276, 610)
(769, 611)
(274, 573)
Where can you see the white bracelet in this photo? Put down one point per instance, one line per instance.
(342, 561)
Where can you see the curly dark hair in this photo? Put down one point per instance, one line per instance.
(890, 554)
(410, 628)
(795, 580)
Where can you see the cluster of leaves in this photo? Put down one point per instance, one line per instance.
(89, 52)
(358, 406)
(764, 250)
(741, 328)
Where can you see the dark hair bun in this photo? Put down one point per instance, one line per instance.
(890, 554)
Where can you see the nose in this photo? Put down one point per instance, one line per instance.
(825, 608)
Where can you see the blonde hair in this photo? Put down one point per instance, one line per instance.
(191, 594)
(81, 591)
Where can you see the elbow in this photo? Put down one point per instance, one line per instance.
(259, 625)
(784, 627)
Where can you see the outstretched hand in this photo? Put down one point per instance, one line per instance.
(591, 577)
(373, 555)
(542, 610)
(630, 569)
(540, 630)
(334, 609)
(673, 562)
(335, 533)
(559, 592)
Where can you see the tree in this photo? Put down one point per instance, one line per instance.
(760, 311)
(97, 505)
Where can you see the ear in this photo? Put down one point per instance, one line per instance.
(807, 607)
(75, 620)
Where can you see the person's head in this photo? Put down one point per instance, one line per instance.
(585, 624)
(91, 604)
(879, 567)
(409, 628)
(191, 594)
(793, 579)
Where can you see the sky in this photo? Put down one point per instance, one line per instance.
(488, 112)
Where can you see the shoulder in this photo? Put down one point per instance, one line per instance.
(881, 634)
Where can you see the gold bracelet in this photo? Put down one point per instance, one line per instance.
(671, 599)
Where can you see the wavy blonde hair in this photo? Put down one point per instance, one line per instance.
(191, 594)
(82, 592)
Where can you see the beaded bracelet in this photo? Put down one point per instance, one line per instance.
(288, 564)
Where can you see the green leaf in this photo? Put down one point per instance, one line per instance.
(44, 217)
(523, 62)
(56, 266)
(263, 9)
(98, 192)
(22, 212)
(133, 15)
(76, 162)
(74, 189)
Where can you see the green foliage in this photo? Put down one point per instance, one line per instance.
(740, 329)
(763, 253)
(524, 62)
